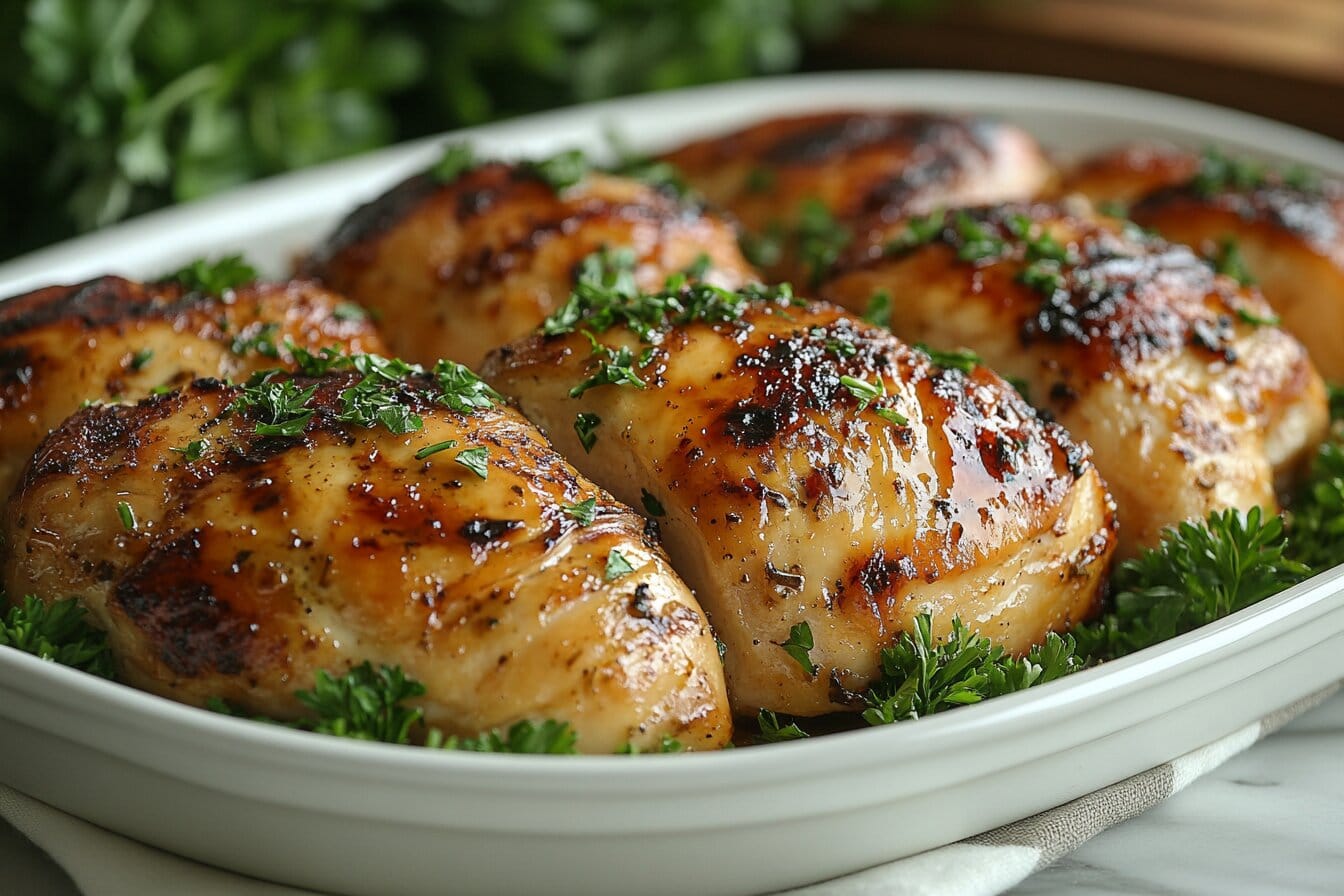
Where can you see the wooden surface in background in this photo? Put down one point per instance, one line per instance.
(1280, 58)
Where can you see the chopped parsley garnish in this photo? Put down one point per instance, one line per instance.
(667, 744)
(280, 404)
(429, 450)
(585, 427)
(364, 704)
(475, 459)
(760, 180)
(462, 390)
(375, 400)
(349, 311)
(562, 170)
(764, 249)
(921, 676)
(979, 242)
(260, 339)
(1316, 522)
(585, 511)
(799, 646)
(772, 732)
(918, 231)
(215, 278)
(127, 515)
(58, 631)
(652, 506)
(961, 359)
(842, 344)
(617, 566)
(879, 309)
(193, 451)
(141, 358)
(1200, 572)
(1227, 260)
(1257, 320)
(892, 416)
(864, 391)
(697, 269)
(615, 367)
(821, 238)
(457, 160)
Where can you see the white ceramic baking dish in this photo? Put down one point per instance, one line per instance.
(360, 818)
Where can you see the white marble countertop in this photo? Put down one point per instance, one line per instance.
(1268, 821)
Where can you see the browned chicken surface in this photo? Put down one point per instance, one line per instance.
(1282, 229)
(784, 177)
(808, 468)
(1191, 399)
(112, 339)
(463, 552)
(460, 266)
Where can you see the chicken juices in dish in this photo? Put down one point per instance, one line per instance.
(1189, 396)
(471, 256)
(235, 540)
(794, 183)
(112, 340)
(1281, 229)
(806, 468)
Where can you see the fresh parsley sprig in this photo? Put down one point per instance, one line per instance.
(364, 704)
(547, 737)
(1201, 572)
(59, 631)
(215, 278)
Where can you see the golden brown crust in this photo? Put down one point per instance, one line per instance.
(1190, 402)
(112, 339)
(470, 264)
(269, 558)
(860, 163)
(785, 503)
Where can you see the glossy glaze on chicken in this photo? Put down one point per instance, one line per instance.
(785, 497)
(240, 568)
(852, 164)
(1191, 399)
(1281, 228)
(112, 340)
(459, 266)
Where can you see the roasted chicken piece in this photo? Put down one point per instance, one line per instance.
(466, 263)
(1192, 400)
(796, 183)
(807, 469)
(234, 541)
(112, 339)
(1283, 230)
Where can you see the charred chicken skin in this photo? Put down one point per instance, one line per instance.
(475, 261)
(240, 567)
(1283, 230)
(1189, 396)
(112, 340)
(784, 177)
(807, 468)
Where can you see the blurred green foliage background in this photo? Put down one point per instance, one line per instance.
(109, 108)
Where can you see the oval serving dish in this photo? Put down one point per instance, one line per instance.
(352, 817)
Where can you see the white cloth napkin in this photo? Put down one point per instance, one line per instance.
(101, 863)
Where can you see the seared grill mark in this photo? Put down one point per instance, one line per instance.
(372, 219)
(95, 303)
(1314, 216)
(831, 136)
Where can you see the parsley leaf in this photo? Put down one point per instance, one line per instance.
(560, 171)
(652, 506)
(259, 339)
(1199, 573)
(961, 359)
(193, 451)
(140, 359)
(215, 278)
(584, 511)
(475, 459)
(1316, 522)
(668, 744)
(127, 515)
(864, 391)
(879, 309)
(799, 646)
(918, 231)
(364, 704)
(463, 390)
(281, 405)
(1227, 259)
(821, 238)
(373, 401)
(58, 631)
(772, 732)
(457, 160)
(617, 566)
(585, 426)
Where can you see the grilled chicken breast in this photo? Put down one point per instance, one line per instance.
(243, 571)
(1191, 400)
(785, 497)
(465, 265)
(1283, 231)
(112, 339)
(784, 177)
